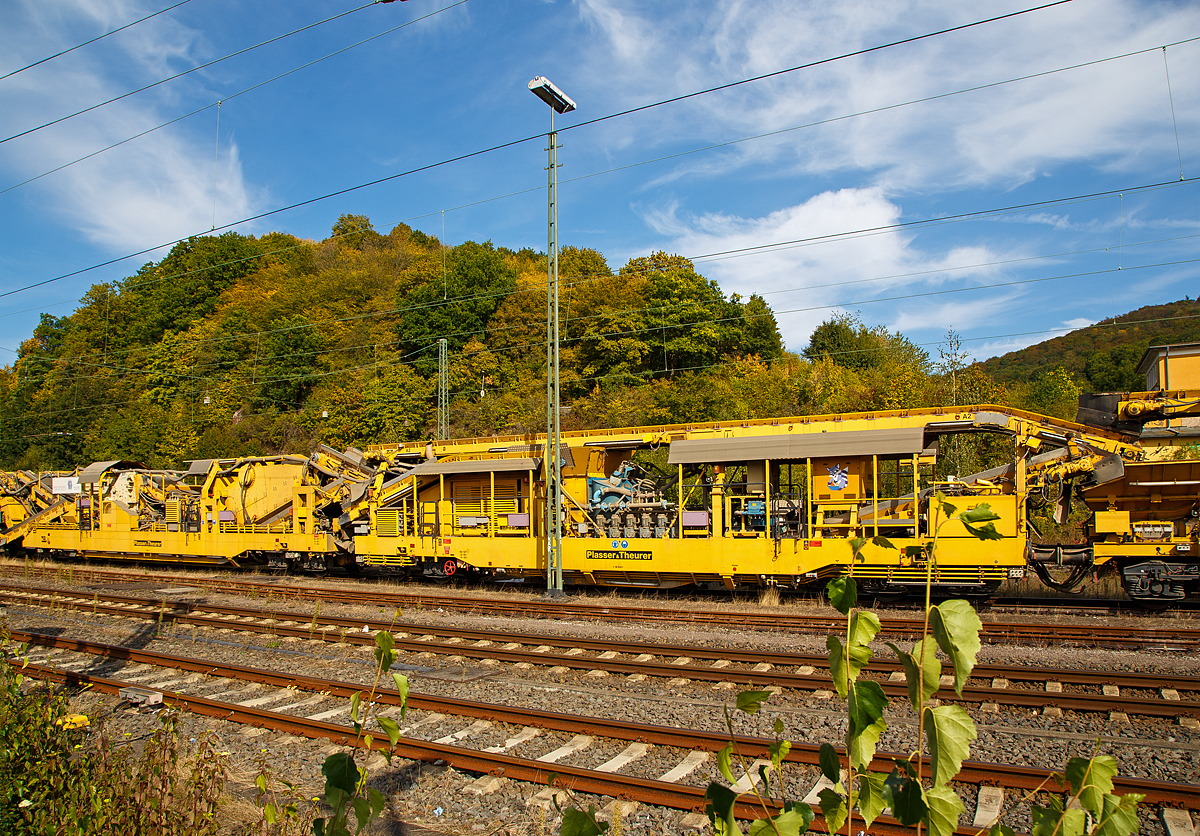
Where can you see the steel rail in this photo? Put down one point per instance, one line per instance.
(1149, 681)
(973, 772)
(970, 694)
(1092, 635)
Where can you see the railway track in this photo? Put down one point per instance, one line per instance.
(1173, 638)
(1153, 695)
(74, 662)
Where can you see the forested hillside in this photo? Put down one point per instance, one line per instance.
(240, 345)
(1104, 357)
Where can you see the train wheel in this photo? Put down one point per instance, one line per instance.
(450, 567)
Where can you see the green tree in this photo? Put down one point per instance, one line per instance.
(355, 231)
(167, 369)
(292, 361)
(758, 334)
(1053, 392)
(844, 340)
(684, 313)
(1115, 370)
(477, 279)
(184, 286)
(389, 408)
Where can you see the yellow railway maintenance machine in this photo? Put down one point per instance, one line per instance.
(725, 505)
(1146, 525)
(220, 512)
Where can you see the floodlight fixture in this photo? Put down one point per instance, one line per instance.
(545, 90)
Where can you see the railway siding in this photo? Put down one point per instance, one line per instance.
(246, 704)
(1149, 701)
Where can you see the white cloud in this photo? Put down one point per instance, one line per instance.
(1113, 115)
(805, 281)
(155, 189)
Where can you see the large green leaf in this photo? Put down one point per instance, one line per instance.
(578, 823)
(866, 704)
(750, 702)
(355, 702)
(723, 763)
(1054, 821)
(793, 821)
(384, 654)
(1091, 780)
(831, 765)
(837, 664)
(402, 686)
(922, 675)
(864, 626)
(340, 772)
(362, 813)
(999, 829)
(978, 521)
(944, 809)
(391, 728)
(834, 809)
(946, 508)
(870, 796)
(956, 627)
(949, 730)
(720, 810)
(844, 667)
(1119, 816)
(778, 751)
(843, 594)
(905, 797)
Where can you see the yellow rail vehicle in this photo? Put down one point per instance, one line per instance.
(713, 505)
(724, 504)
(249, 511)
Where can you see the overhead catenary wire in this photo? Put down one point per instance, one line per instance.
(830, 236)
(623, 375)
(570, 285)
(847, 352)
(574, 282)
(654, 327)
(231, 96)
(188, 71)
(93, 40)
(1171, 99)
(522, 140)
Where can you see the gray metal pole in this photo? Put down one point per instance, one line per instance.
(554, 572)
(558, 563)
(443, 390)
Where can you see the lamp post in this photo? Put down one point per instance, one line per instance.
(559, 102)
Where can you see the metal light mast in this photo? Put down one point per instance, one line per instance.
(559, 103)
(443, 393)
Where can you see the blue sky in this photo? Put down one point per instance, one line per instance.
(760, 169)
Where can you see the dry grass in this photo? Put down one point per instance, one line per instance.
(1107, 587)
(770, 597)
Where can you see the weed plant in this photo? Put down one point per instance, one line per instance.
(917, 790)
(76, 781)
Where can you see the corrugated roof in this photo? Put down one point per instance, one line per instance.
(431, 468)
(199, 467)
(790, 446)
(92, 473)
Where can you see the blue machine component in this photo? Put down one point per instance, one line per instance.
(755, 514)
(617, 491)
